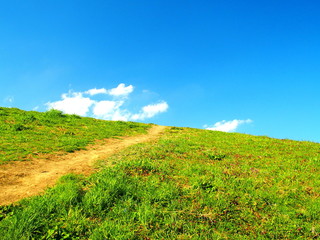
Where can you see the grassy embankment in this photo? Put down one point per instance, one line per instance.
(26, 135)
(191, 184)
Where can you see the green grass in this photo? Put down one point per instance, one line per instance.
(191, 184)
(26, 135)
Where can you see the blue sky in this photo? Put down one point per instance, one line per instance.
(244, 66)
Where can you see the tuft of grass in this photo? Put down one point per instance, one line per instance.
(26, 135)
(191, 184)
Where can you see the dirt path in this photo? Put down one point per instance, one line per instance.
(23, 179)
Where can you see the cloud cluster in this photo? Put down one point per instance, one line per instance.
(150, 111)
(121, 90)
(227, 126)
(82, 103)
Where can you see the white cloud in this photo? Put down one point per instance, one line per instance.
(109, 109)
(96, 91)
(104, 108)
(9, 99)
(150, 111)
(72, 103)
(121, 90)
(121, 115)
(228, 126)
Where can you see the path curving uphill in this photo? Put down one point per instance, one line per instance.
(24, 179)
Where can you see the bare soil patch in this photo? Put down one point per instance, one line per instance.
(19, 180)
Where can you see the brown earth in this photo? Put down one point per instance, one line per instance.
(19, 180)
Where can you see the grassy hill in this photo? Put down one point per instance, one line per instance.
(190, 184)
(26, 135)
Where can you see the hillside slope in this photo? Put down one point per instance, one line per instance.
(25, 135)
(27, 178)
(189, 184)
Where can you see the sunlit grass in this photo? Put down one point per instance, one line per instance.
(26, 135)
(191, 184)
